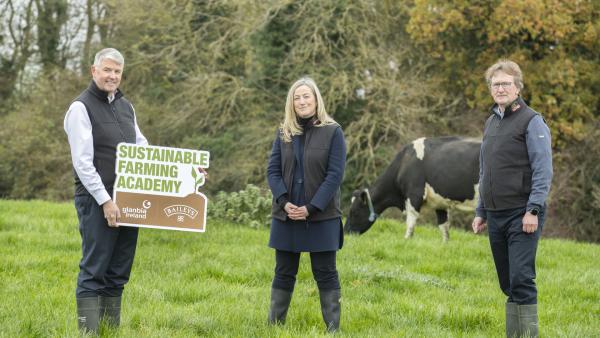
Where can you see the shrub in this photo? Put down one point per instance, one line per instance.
(575, 194)
(251, 206)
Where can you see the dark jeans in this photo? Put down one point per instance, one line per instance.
(323, 268)
(107, 253)
(514, 253)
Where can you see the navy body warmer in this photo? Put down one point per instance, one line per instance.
(112, 123)
(506, 181)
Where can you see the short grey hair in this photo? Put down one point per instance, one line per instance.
(507, 66)
(109, 53)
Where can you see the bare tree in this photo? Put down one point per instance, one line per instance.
(97, 27)
(17, 43)
(102, 9)
(89, 33)
(52, 15)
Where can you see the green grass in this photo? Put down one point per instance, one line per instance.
(218, 283)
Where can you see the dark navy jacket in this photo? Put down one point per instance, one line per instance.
(310, 235)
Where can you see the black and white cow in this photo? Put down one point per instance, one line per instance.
(440, 173)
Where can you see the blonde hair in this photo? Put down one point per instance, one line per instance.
(290, 127)
(507, 66)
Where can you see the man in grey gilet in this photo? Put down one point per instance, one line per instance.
(515, 173)
(97, 120)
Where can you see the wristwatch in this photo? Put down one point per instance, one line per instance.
(534, 211)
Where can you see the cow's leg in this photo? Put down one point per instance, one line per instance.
(411, 218)
(443, 223)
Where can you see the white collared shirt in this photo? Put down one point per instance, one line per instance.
(78, 127)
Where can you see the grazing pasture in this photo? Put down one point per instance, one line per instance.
(218, 283)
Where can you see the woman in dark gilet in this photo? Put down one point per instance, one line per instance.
(305, 172)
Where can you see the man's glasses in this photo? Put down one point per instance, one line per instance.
(504, 85)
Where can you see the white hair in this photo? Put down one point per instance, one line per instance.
(109, 53)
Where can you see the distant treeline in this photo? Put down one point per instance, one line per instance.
(213, 75)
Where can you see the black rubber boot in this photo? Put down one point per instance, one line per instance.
(88, 316)
(528, 319)
(110, 310)
(331, 308)
(512, 320)
(280, 302)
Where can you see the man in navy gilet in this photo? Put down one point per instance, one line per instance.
(97, 120)
(515, 173)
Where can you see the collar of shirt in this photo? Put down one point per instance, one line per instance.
(497, 111)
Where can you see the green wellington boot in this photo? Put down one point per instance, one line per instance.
(528, 319)
(88, 314)
(512, 320)
(280, 302)
(331, 308)
(110, 310)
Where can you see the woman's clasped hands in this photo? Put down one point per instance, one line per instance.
(295, 212)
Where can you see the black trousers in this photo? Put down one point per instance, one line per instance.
(514, 253)
(108, 252)
(323, 268)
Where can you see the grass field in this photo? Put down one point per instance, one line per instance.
(218, 283)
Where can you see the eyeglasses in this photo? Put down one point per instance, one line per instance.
(504, 85)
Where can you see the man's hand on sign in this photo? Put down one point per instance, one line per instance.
(111, 213)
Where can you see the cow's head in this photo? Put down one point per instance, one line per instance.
(361, 215)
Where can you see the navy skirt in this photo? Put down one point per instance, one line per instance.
(307, 236)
